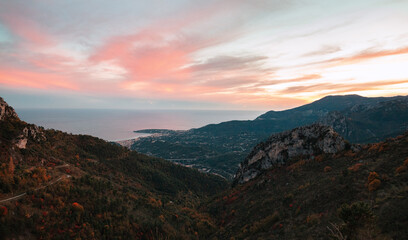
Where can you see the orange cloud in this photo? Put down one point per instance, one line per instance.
(341, 87)
(366, 55)
(27, 79)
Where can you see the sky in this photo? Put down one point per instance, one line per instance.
(213, 54)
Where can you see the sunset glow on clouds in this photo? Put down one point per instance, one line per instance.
(225, 54)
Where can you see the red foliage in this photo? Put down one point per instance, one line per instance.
(374, 185)
(77, 207)
(401, 169)
(372, 176)
(355, 167)
(231, 200)
(3, 211)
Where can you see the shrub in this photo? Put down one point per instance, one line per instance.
(327, 169)
(355, 213)
(263, 224)
(3, 211)
(78, 207)
(355, 167)
(401, 169)
(372, 176)
(313, 219)
(374, 185)
(297, 165)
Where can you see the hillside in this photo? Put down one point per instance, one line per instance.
(356, 192)
(306, 183)
(55, 185)
(370, 123)
(219, 148)
(321, 107)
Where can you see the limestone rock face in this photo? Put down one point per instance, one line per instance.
(306, 141)
(32, 132)
(6, 111)
(26, 132)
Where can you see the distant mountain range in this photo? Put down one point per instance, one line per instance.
(219, 148)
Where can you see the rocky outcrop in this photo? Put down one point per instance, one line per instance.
(6, 112)
(22, 132)
(280, 148)
(32, 132)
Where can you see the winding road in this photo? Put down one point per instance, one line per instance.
(64, 176)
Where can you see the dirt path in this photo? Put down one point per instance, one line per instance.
(42, 187)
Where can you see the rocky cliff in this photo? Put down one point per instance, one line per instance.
(279, 149)
(12, 128)
(6, 111)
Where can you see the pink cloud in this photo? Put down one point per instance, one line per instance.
(27, 30)
(30, 79)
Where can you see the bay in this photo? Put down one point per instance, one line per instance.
(115, 125)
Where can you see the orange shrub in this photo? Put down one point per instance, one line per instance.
(374, 147)
(355, 167)
(374, 185)
(373, 176)
(327, 169)
(401, 169)
(350, 153)
(162, 218)
(154, 203)
(406, 162)
(319, 158)
(77, 207)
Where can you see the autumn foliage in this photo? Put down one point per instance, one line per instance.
(374, 185)
(3, 211)
(402, 168)
(373, 181)
(77, 207)
(372, 176)
(355, 167)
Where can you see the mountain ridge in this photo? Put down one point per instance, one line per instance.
(302, 142)
(219, 148)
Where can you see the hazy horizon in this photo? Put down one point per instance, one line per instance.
(119, 124)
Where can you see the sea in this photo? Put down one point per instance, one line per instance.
(118, 125)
